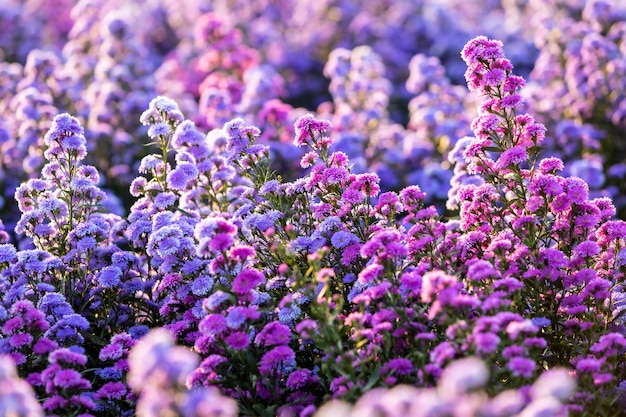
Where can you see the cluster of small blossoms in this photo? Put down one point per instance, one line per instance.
(211, 70)
(575, 90)
(322, 286)
(366, 132)
(559, 248)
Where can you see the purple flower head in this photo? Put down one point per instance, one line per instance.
(239, 136)
(343, 238)
(238, 315)
(513, 156)
(215, 300)
(481, 48)
(306, 328)
(186, 135)
(486, 342)
(435, 281)
(149, 163)
(202, 285)
(269, 187)
(550, 165)
(521, 367)
(247, 280)
(63, 125)
(299, 379)
(44, 346)
(576, 189)
(309, 159)
(273, 333)
(277, 362)
(461, 376)
(109, 276)
(306, 126)
(54, 305)
(237, 340)
(159, 130)
(67, 357)
(480, 269)
(161, 109)
(289, 313)
(179, 178)
(112, 391)
(370, 273)
(70, 379)
(398, 367)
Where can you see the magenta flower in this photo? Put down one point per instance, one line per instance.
(247, 280)
(273, 333)
(306, 125)
(520, 366)
(237, 340)
(278, 361)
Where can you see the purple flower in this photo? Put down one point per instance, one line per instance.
(486, 342)
(109, 373)
(186, 134)
(237, 316)
(69, 379)
(577, 190)
(299, 378)
(215, 300)
(63, 125)
(158, 130)
(109, 276)
(343, 238)
(278, 361)
(8, 253)
(461, 376)
(179, 178)
(202, 285)
(112, 351)
(44, 346)
(238, 340)
(520, 366)
(370, 273)
(398, 367)
(112, 391)
(307, 124)
(289, 314)
(247, 280)
(165, 200)
(20, 340)
(67, 357)
(513, 156)
(273, 333)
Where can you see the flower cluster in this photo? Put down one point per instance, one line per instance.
(264, 259)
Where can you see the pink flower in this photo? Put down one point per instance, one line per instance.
(247, 280)
(238, 340)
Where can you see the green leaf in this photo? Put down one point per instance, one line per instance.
(373, 380)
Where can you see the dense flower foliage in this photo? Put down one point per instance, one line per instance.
(232, 216)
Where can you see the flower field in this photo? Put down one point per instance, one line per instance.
(284, 208)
